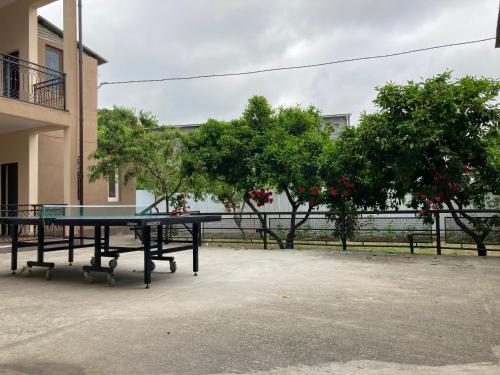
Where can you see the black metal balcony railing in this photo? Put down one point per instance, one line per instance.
(32, 83)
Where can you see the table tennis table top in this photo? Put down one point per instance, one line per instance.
(104, 215)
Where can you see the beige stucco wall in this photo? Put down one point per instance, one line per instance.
(51, 147)
(14, 29)
(14, 148)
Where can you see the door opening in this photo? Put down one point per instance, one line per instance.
(9, 198)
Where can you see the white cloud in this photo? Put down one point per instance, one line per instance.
(159, 38)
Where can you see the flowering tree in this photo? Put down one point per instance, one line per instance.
(264, 151)
(350, 182)
(438, 140)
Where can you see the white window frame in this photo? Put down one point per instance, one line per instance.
(116, 198)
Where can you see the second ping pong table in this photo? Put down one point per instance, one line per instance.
(101, 219)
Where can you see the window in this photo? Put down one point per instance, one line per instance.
(53, 58)
(114, 188)
(10, 81)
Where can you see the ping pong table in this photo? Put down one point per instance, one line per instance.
(150, 227)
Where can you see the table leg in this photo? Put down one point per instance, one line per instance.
(196, 243)
(41, 243)
(97, 246)
(106, 238)
(71, 244)
(40, 254)
(159, 240)
(13, 259)
(146, 238)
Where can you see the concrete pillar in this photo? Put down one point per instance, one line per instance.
(33, 35)
(71, 133)
(33, 169)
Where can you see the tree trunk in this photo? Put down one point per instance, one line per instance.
(343, 235)
(237, 220)
(290, 238)
(481, 249)
(294, 226)
(263, 222)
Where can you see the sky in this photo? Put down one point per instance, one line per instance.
(149, 39)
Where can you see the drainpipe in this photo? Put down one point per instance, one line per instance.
(80, 100)
(80, 107)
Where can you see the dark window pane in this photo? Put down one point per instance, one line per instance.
(53, 59)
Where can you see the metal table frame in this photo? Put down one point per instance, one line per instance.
(153, 248)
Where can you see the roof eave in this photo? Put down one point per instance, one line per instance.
(56, 30)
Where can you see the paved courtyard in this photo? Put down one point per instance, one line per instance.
(256, 312)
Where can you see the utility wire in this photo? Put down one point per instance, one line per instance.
(374, 57)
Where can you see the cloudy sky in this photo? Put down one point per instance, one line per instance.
(144, 39)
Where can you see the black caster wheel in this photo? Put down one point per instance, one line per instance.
(111, 280)
(152, 266)
(88, 277)
(92, 261)
(26, 271)
(48, 275)
(173, 266)
(113, 263)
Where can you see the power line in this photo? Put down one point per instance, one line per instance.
(202, 76)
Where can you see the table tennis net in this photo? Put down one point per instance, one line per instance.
(57, 211)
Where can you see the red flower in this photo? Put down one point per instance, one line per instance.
(333, 192)
(302, 189)
(342, 180)
(312, 203)
(314, 191)
(455, 186)
(435, 207)
(467, 170)
(422, 212)
(437, 198)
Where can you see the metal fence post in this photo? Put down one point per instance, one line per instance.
(265, 231)
(438, 233)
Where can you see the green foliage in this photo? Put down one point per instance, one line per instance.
(264, 149)
(279, 149)
(345, 222)
(137, 146)
(438, 140)
(350, 179)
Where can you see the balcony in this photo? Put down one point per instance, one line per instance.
(32, 83)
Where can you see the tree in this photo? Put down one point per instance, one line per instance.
(438, 140)
(350, 182)
(135, 145)
(264, 149)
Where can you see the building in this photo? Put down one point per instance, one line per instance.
(39, 111)
(337, 121)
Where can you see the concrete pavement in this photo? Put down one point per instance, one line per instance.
(256, 312)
